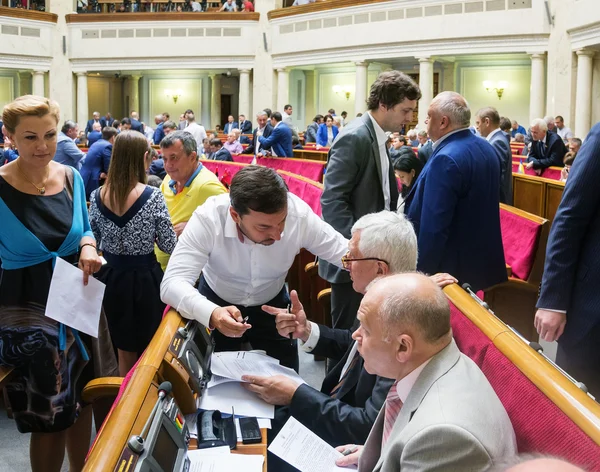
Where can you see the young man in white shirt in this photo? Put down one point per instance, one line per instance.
(244, 243)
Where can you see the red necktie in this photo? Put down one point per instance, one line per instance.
(393, 404)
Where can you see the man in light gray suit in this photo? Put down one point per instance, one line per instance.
(487, 122)
(360, 177)
(441, 413)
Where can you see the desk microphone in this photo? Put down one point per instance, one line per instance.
(136, 442)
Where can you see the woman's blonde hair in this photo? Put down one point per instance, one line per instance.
(127, 167)
(28, 105)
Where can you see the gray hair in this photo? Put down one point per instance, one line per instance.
(422, 133)
(428, 313)
(455, 107)
(262, 113)
(540, 123)
(160, 117)
(68, 125)
(549, 119)
(412, 133)
(187, 141)
(389, 236)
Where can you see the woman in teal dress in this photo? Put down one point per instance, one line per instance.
(43, 216)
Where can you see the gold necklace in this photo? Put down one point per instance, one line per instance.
(41, 190)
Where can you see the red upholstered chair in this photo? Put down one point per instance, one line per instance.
(524, 238)
(308, 168)
(549, 414)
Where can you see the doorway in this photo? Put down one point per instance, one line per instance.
(225, 109)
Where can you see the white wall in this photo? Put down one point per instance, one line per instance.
(158, 102)
(515, 100)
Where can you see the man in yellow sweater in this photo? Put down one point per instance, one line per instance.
(187, 184)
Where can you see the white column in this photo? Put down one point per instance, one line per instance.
(583, 98)
(537, 91)
(244, 105)
(37, 83)
(82, 99)
(61, 82)
(205, 111)
(360, 84)
(426, 86)
(215, 102)
(283, 89)
(448, 81)
(134, 95)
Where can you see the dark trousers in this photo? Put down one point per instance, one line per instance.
(344, 305)
(582, 360)
(263, 334)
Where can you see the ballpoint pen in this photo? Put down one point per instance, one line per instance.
(349, 450)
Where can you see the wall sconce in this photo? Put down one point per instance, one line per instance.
(174, 94)
(345, 90)
(492, 86)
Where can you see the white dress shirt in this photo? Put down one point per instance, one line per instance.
(565, 133)
(385, 162)
(313, 339)
(242, 273)
(197, 131)
(287, 119)
(439, 141)
(405, 385)
(493, 133)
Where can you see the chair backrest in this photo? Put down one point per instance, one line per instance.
(524, 238)
(308, 168)
(549, 414)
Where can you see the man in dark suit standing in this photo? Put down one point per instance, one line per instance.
(360, 176)
(454, 203)
(230, 125)
(547, 148)
(95, 166)
(136, 125)
(487, 122)
(245, 125)
(310, 136)
(425, 147)
(569, 302)
(279, 141)
(96, 119)
(95, 134)
(264, 129)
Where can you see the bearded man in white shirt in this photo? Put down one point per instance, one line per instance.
(244, 243)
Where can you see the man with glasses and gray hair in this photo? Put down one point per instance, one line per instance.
(344, 410)
(454, 203)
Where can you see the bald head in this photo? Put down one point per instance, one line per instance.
(448, 111)
(405, 320)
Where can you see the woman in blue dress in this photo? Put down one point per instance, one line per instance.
(44, 216)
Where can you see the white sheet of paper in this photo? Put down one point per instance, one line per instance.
(232, 394)
(211, 451)
(234, 367)
(262, 423)
(224, 463)
(295, 440)
(72, 303)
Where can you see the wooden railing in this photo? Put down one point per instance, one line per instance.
(319, 6)
(161, 16)
(28, 14)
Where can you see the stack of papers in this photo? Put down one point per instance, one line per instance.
(220, 459)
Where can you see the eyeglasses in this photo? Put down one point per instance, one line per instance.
(346, 260)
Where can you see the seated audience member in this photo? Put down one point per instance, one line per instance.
(9, 153)
(550, 124)
(311, 130)
(425, 146)
(148, 132)
(96, 118)
(412, 138)
(441, 413)
(506, 128)
(257, 228)
(296, 143)
(232, 144)
(399, 148)
(187, 184)
(159, 133)
(327, 132)
(407, 169)
(96, 164)
(169, 127)
(229, 6)
(547, 148)
(302, 2)
(154, 181)
(279, 142)
(575, 145)
(247, 6)
(207, 151)
(568, 161)
(125, 124)
(564, 132)
(230, 125)
(67, 152)
(218, 129)
(533, 463)
(517, 128)
(95, 135)
(157, 166)
(196, 130)
(128, 218)
(520, 138)
(487, 122)
(219, 152)
(264, 129)
(81, 140)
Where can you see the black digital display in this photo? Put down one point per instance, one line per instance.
(201, 338)
(165, 450)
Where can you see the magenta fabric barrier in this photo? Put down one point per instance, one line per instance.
(308, 192)
(540, 426)
(551, 173)
(312, 170)
(520, 238)
(222, 169)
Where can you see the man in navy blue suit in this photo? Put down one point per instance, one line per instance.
(95, 135)
(487, 122)
(547, 148)
(219, 152)
(96, 119)
(245, 125)
(95, 166)
(230, 125)
(454, 203)
(569, 302)
(280, 140)
(136, 125)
